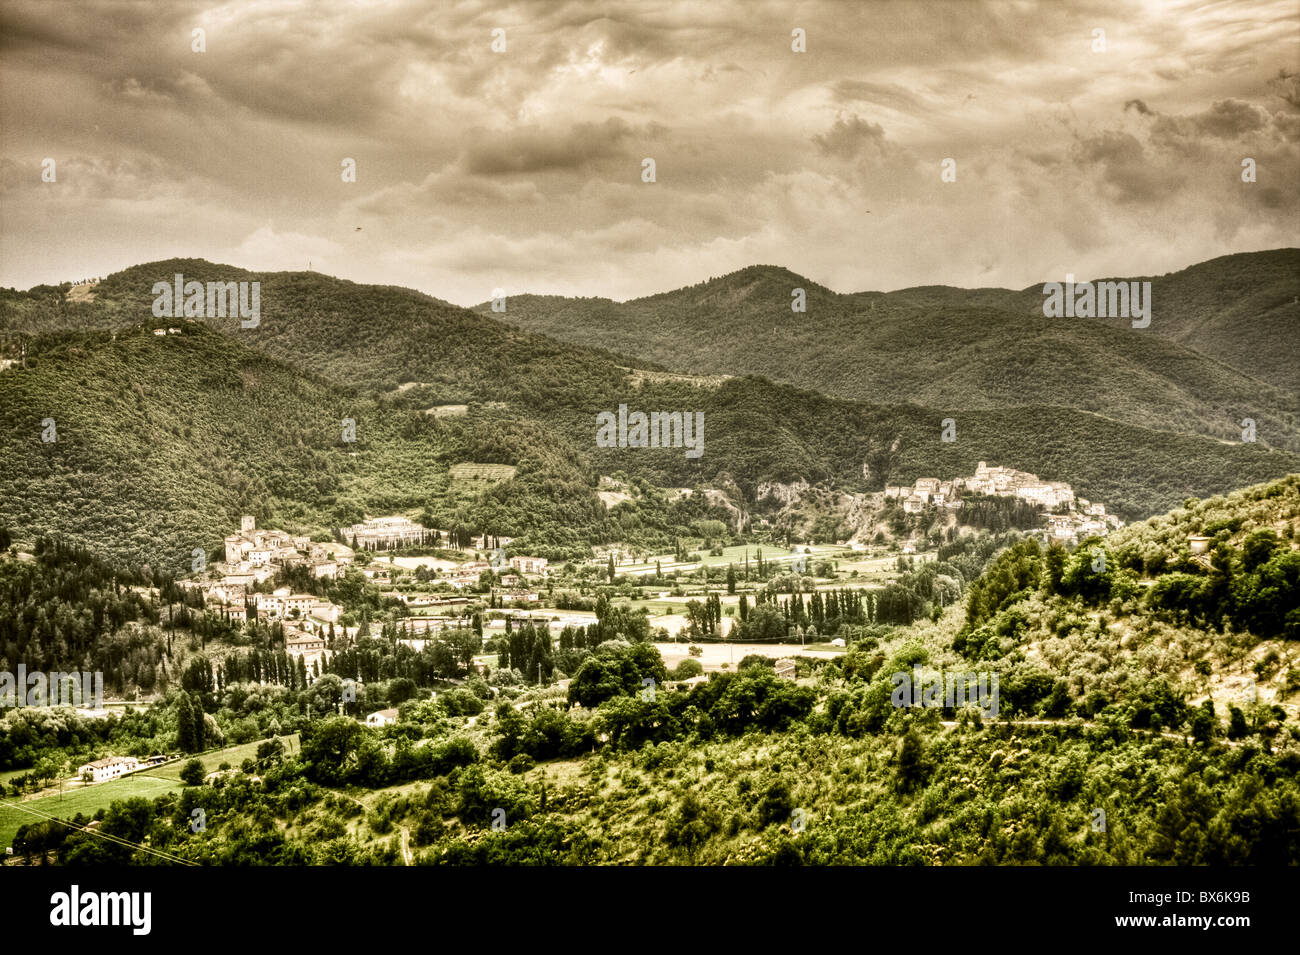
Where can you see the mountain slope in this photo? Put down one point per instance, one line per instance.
(1243, 310)
(982, 348)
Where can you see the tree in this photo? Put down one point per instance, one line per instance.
(330, 747)
(200, 729)
(731, 579)
(185, 741)
(192, 773)
(1237, 726)
(1203, 724)
(911, 761)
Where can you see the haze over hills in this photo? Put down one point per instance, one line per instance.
(164, 440)
(1222, 344)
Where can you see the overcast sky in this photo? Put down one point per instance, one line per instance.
(523, 169)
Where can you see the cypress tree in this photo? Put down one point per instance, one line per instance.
(200, 740)
(185, 724)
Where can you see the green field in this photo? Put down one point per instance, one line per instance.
(468, 471)
(733, 555)
(151, 784)
(88, 800)
(234, 755)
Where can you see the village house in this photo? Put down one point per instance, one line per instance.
(109, 768)
(786, 669)
(529, 565)
(523, 596)
(300, 604)
(324, 612)
(269, 606)
(298, 642)
(382, 717)
(1060, 525)
(327, 569)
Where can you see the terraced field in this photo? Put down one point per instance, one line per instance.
(493, 473)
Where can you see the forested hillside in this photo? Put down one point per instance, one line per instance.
(1243, 310)
(1220, 348)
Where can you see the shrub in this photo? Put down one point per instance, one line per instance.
(192, 773)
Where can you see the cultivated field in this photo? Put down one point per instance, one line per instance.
(492, 473)
(714, 655)
(90, 799)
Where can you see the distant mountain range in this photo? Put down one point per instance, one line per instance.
(163, 440)
(1223, 344)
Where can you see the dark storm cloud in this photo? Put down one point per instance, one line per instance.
(888, 95)
(541, 150)
(850, 138)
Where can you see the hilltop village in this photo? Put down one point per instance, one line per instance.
(1068, 517)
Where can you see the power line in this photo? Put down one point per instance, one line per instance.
(102, 835)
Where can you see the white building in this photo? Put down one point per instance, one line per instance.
(529, 565)
(109, 768)
(382, 718)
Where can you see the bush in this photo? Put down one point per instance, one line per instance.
(192, 773)
(521, 763)
(687, 669)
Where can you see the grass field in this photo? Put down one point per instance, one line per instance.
(734, 555)
(88, 800)
(493, 473)
(151, 784)
(234, 755)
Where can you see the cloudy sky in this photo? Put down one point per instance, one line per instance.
(522, 169)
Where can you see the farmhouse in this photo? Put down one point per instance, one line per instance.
(109, 768)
